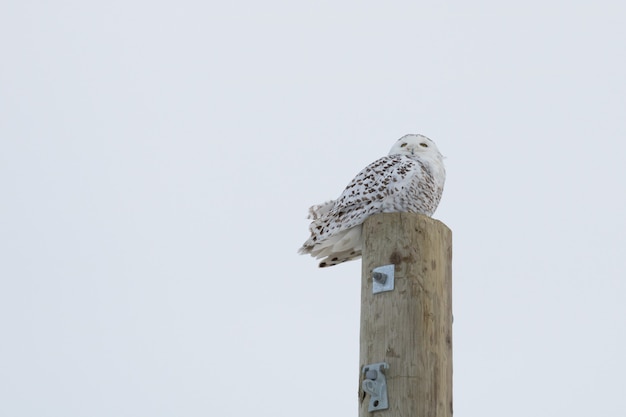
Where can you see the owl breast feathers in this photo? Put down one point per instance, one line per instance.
(409, 179)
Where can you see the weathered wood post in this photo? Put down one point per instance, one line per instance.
(410, 327)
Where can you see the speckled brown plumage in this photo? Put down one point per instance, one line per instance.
(409, 179)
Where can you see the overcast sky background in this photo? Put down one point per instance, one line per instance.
(157, 160)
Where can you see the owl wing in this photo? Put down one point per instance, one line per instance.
(368, 193)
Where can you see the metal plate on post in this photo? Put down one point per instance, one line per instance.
(375, 384)
(382, 277)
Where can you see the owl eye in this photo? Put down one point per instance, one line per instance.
(403, 145)
(424, 145)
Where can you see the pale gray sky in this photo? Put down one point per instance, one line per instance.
(158, 159)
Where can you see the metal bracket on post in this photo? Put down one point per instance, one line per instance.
(375, 384)
(383, 278)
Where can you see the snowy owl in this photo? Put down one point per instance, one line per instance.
(409, 179)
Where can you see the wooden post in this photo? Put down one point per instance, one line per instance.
(409, 327)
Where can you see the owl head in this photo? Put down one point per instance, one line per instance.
(415, 145)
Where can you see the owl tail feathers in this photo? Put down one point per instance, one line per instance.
(333, 258)
(342, 247)
(340, 257)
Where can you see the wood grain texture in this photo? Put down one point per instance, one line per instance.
(410, 327)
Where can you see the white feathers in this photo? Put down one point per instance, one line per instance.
(409, 179)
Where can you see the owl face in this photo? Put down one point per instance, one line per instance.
(415, 145)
